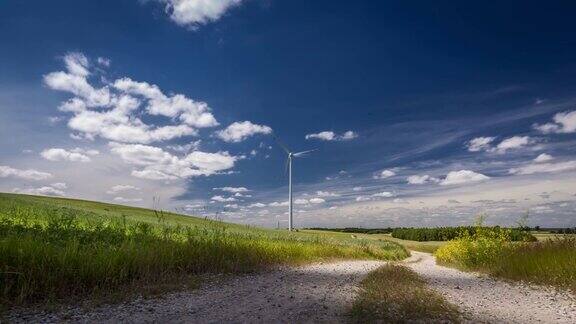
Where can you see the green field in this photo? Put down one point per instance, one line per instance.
(54, 249)
(428, 247)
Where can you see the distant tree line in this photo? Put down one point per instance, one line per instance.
(449, 233)
(358, 230)
(566, 230)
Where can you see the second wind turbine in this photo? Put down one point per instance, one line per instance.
(289, 167)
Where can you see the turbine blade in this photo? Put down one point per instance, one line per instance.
(281, 144)
(286, 166)
(299, 154)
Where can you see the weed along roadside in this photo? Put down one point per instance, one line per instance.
(64, 249)
(549, 262)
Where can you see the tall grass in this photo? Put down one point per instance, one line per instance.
(396, 294)
(550, 262)
(49, 252)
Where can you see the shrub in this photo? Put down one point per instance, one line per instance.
(450, 233)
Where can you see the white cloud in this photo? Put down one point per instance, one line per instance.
(232, 206)
(545, 168)
(480, 144)
(514, 142)
(193, 113)
(257, 205)
(317, 201)
(385, 174)
(194, 13)
(30, 174)
(384, 194)
(232, 189)
(239, 131)
(511, 143)
(348, 135)
(44, 191)
(121, 105)
(543, 158)
(219, 198)
(357, 188)
(563, 122)
(278, 204)
(462, 177)
(103, 61)
(363, 198)
(59, 185)
(421, 179)
(301, 201)
(121, 188)
(127, 200)
(158, 164)
(76, 155)
(321, 193)
(77, 64)
(331, 136)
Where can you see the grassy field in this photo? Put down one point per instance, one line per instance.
(396, 294)
(54, 249)
(550, 261)
(428, 247)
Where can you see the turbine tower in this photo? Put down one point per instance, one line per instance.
(289, 169)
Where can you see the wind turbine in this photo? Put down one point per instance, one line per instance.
(291, 155)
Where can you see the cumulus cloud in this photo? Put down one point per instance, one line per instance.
(421, 179)
(463, 177)
(331, 136)
(157, 164)
(385, 174)
(75, 155)
(219, 198)
(194, 13)
(480, 144)
(543, 158)
(257, 205)
(42, 191)
(511, 143)
(384, 194)
(30, 174)
(59, 185)
(317, 200)
(321, 193)
(563, 123)
(233, 189)
(545, 168)
(127, 200)
(122, 188)
(239, 131)
(113, 111)
(278, 204)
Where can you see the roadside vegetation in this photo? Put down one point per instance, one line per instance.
(548, 262)
(450, 233)
(62, 249)
(396, 294)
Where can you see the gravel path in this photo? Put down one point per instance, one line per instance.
(322, 293)
(484, 299)
(312, 293)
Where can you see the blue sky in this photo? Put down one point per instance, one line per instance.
(423, 114)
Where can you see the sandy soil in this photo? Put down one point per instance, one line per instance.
(484, 299)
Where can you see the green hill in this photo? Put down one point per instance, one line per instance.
(57, 248)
